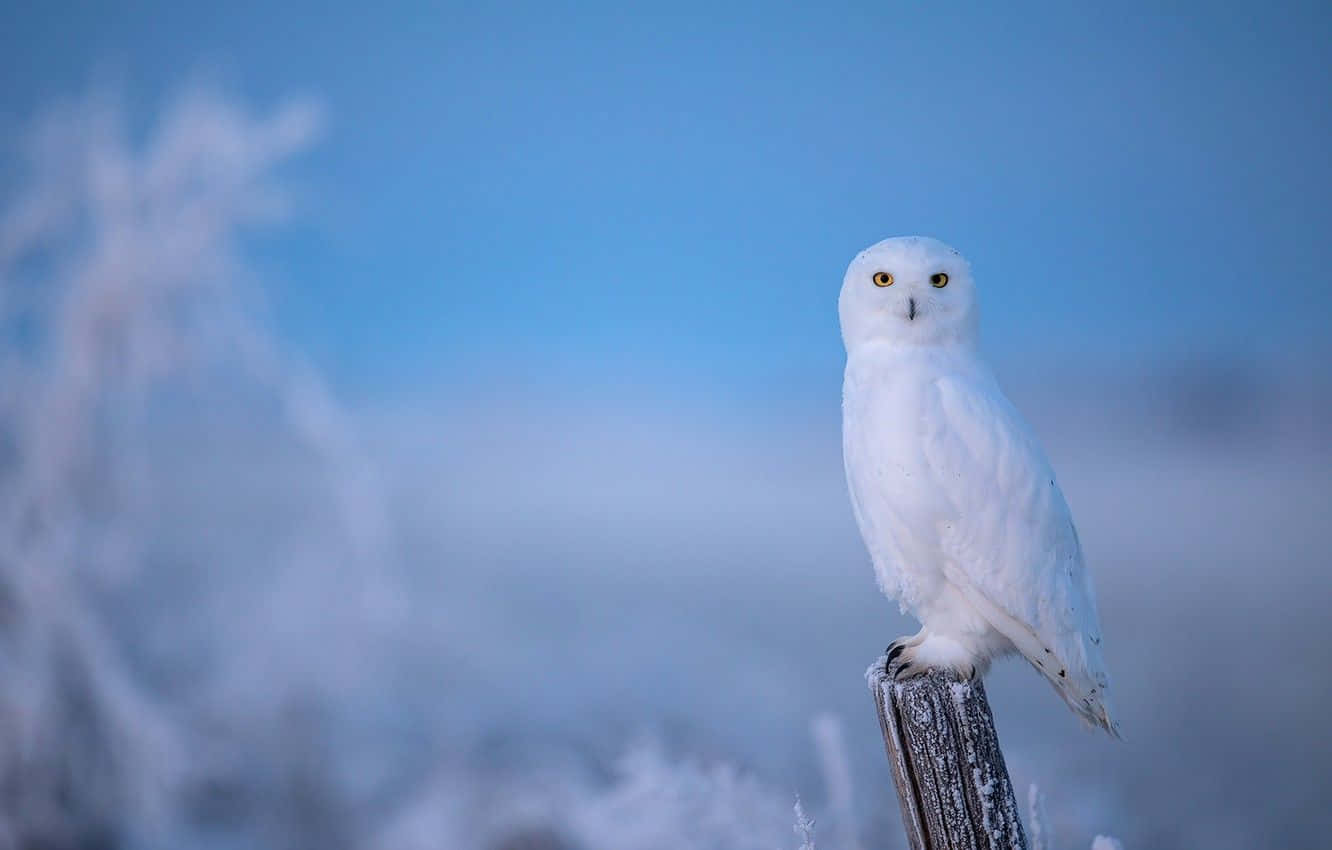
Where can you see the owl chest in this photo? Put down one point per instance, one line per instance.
(896, 499)
(885, 425)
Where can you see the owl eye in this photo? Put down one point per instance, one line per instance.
(939, 281)
(883, 279)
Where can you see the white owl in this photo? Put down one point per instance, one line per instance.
(955, 499)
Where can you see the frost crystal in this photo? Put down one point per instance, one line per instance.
(1040, 826)
(804, 826)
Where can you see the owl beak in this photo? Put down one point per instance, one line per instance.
(911, 309)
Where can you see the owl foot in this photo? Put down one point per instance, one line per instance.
(894, 667)
(917, 655)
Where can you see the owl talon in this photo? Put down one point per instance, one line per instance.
(894, 650)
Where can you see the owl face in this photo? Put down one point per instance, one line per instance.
(908, 290)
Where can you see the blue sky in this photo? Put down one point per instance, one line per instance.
(604, 194)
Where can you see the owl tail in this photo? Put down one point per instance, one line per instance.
(1083, 687)
(1089, 701)
(1083, 691)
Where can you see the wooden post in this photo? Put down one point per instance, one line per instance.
(950, 774)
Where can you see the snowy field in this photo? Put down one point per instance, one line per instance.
(238, 612)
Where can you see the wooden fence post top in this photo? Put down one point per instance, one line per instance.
(950, 775)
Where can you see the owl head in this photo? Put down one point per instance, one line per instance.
(908, 291)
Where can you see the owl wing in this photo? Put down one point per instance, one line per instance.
(1008, 538)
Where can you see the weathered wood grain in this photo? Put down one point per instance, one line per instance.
(949, 771)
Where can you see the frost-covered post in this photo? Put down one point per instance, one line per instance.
(950, 774)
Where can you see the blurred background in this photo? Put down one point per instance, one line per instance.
(419, 424)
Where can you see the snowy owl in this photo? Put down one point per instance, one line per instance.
(957, 503)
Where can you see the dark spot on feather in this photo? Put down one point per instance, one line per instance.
(1061, 674)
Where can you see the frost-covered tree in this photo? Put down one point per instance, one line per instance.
(124, 301)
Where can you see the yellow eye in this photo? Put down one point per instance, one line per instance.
(883, 279)
(939, 281)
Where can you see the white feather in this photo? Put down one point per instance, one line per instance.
(960, 509)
